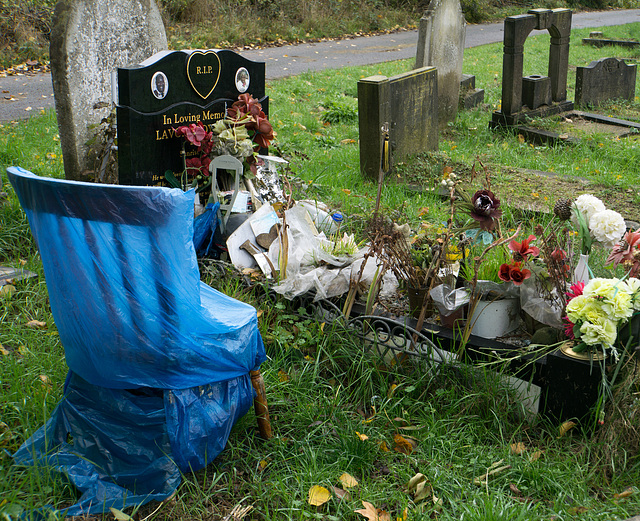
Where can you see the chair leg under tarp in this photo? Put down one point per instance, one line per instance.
(260, 405)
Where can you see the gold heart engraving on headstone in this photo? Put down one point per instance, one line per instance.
(203, 72)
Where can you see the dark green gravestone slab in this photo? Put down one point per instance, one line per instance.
(171, 89)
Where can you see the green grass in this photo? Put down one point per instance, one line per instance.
(323, 386)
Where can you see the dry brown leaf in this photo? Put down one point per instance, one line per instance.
(348, 481)
(45, 379)
(342, 495)
(372, 513)
(536, 456)
(36, 324)
(566, 427)
(369, 511)
(423, 211)
(347, 141)
(515, 490)
(518, 448)
(404, 445)
(318, 495)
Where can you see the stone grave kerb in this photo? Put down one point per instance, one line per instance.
(516, 31)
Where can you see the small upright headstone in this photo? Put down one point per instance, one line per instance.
(172, 89)
(604, 79)
(406, 106)
(89, 40)
(441, 44)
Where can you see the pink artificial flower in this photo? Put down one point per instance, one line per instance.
(568, 328)
(575, 290)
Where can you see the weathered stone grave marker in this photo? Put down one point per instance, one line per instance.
(441, 44)
(604, 79)
(169, 90)
(89, 39)
(546, 94)
(407, 105)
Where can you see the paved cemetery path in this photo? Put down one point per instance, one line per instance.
(22, 96)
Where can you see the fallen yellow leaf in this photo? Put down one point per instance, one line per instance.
(263, 464)
(383, 446)
(566, 427)
(318, 495)
(348, 481)
(625, 493)
(404, 445)
(518, 448)
(536, 456)
(3, 351)
(346, 191)
(363, 437)
(423, 211)
(7, 290)
(283, 376)
(36, 324)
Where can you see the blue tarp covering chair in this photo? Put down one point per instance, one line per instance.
(161, 365)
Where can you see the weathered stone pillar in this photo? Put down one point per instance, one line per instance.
(441, 38)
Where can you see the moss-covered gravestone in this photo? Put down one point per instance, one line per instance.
(89, 39)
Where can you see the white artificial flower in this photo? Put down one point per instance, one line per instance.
(588, 205)
(607, 227)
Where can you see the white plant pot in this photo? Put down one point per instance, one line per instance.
(495, 318)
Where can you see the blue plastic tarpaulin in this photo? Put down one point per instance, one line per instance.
(159, 362)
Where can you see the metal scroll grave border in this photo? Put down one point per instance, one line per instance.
(569, 387)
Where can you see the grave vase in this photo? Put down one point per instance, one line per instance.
(581, 271)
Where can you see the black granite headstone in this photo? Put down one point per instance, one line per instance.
(171, 89)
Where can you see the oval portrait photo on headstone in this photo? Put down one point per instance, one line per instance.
(159, 85)
(242, 80)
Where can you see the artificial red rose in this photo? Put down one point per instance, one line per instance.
(485, 209)
(246, 104)
(517, 275)
(199, 165)
(522, 250)
(504, 272)
(264, 133)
